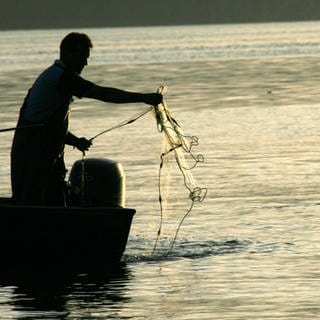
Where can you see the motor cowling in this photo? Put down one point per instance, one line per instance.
(97, 182)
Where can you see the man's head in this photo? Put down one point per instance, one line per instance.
(75, 50)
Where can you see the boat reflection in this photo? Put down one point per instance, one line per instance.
(35, 294)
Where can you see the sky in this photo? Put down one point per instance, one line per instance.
(41, 14)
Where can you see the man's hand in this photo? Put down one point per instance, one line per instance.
(153, 98)
(82, 144)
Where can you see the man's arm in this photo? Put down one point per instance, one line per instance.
(114, 95)
(82, 143)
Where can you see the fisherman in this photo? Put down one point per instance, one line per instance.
(37, 155)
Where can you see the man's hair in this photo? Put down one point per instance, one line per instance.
(74, 40)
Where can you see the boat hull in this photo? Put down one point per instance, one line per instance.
(76, 236)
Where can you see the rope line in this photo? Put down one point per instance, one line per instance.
(122, 124)
(22, 127)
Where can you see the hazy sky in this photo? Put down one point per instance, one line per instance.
(26, 14)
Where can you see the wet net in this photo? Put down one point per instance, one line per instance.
(178, 148)
(177, 151)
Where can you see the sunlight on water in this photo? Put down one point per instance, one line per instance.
(251, 249)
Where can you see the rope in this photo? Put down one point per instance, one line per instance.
(83, 178)
(22, 127)
(124, 123)
(129, 121)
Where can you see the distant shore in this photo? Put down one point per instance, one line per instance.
(61, 14)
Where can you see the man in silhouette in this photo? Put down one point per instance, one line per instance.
(37, 154)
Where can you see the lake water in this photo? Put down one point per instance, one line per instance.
(250, 250)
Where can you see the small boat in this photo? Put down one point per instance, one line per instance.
(90, 231)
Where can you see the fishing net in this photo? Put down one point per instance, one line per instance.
(176, 148)
(177, 152)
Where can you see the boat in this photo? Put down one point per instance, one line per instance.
(91, 230)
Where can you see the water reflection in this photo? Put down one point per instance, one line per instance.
(48, 294)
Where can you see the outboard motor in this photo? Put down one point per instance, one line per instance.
(97, 182)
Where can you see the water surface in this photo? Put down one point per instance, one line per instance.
(251, 249)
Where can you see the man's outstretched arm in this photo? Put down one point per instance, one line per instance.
(114, 95)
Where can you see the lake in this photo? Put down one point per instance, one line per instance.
(249, 250)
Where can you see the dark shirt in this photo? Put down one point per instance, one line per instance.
(52, 91)
(37, 164)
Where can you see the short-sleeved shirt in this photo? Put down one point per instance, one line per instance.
(53, 91)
